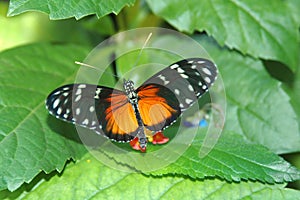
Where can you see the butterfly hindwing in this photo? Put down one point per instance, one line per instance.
(98, 108)
(158, 106)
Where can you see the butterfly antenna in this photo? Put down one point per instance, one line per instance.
(144, 45)
(137, 60)
(93, 67)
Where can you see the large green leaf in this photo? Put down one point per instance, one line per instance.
(294, 93)
(22, 98)
(89, 179)
(295, 7)
(70, 8)
(258, 107)
(264, 29)
(232, 159)
(30, 140)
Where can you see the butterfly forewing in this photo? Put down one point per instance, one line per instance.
(98, 108)
(187, 79)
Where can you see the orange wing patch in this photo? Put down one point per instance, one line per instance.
(154, 109)
(120, 115)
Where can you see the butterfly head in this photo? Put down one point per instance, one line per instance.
(128, 86)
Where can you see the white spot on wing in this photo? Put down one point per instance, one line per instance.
(82, 86)
(92, 109)
(174, 66)
(85, 122)
(77, 111)
(191, 88)
(59, 111)
(188, 101)
(184, 75)
(204, 87)
(66, 101)
(78, 91)
(180, 70)
(200, 61)
(78, 97)
(181, 105)
(194, 66)
(65, 116)
(207, 79)
(57, 92)
(98, 90)
(161, 77)
(206, 71)
(177, 92)
(55, 103)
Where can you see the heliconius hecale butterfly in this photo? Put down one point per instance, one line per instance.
(124, 115)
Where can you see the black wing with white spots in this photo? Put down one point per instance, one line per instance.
(88, 106)
(188, 79)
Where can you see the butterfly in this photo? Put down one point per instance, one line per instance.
(125, 115)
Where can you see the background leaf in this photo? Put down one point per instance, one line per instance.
(27, 141)
(263, 29)
(33, 116)
(231, 159)
(257, 106)
(295, 6)
(69, 8)
(36, 27)
(259, 110)
(101, 182)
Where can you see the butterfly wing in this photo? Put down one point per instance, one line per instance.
(165, 95)
(158, 106)
(102, 109)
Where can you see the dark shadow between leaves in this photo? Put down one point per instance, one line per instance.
(70, 132)
(292, 158)
(207, 178)
(279, 71)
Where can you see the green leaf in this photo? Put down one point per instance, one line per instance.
(264, 29)
(30, 140)
(232, 159)
(89, 179)
(37, 27)
(295, 7)
(257, 106)
(70, 8)
(294, 93)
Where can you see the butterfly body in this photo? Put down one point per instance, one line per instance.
(133, 99)
(124, 115)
